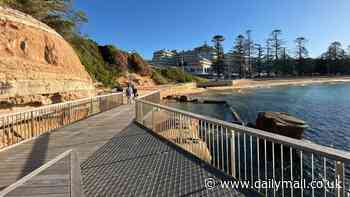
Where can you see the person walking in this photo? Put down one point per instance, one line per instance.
(129, 94)
(134, 91)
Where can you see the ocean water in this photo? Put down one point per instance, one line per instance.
(325, 108)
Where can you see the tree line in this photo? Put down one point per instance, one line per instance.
(105, 64)
(58, 14)
(274, 58)
(250, 57)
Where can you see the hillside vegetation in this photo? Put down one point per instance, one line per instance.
(173, 75)
(105, 64)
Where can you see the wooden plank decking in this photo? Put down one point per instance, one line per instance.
(85, 137)
(117, 158)
(59, 177)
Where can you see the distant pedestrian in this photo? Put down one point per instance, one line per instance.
(129, 94)
(134, 91)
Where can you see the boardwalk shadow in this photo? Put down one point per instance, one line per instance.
(37, 156)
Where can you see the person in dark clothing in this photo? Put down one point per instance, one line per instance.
(129, 93)
(134, 90)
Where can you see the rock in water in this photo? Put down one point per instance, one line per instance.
(183, 98)
(281, 123)
(37, 62)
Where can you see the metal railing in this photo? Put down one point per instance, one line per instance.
(250, 154)
(25, 125)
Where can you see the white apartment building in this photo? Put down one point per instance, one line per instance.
(197, 61)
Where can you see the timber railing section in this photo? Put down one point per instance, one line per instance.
(257, 157)
(19, 127)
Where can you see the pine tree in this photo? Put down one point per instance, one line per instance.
(276, 42)
(219, 65)
(239, 51)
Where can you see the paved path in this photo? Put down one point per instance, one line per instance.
(118, 158)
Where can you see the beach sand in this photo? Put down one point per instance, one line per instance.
(265, 83)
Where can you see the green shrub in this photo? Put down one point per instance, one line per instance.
(199, 79)
(177, 75)
(138, 65)
(106, 63)
(158, 78)
(90, 56)
(108, 53)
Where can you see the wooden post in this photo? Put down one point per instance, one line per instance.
(137, 112)
(39, 121)
(71, 113)
(91, 106)
(141, 113)
(3, 138)
(6, 132)
(63, 114)
(45, 120)
(32, 124)
(153, 124)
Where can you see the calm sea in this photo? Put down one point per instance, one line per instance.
(325, 107)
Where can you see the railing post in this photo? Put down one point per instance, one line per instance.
(92, 105)
(69, 113)
(32, 124)
(141, 112)
(137, 111)
(153, 124)
(180, 130)
(100, 105)
(2, 136)
(233, 154)
(63, 112)
(340, 186)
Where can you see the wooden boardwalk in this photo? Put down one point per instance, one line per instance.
(117, 158)
(59, 177)
(85, 137)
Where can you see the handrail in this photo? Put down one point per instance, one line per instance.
(18, 127)
(148, 94)
(59, 104)
(246, 153)
(300, 144)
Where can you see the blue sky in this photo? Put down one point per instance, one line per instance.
(149, 25)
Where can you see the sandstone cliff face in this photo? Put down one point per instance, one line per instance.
(36, 62)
